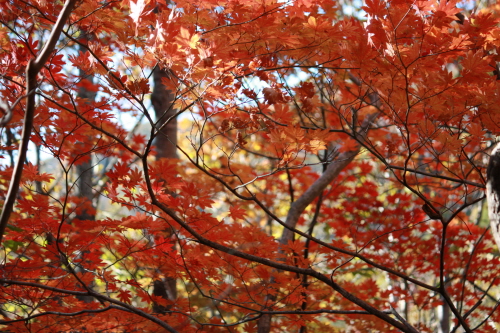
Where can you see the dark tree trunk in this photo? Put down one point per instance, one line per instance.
(493, 192)
(162, 100)
(165, 143)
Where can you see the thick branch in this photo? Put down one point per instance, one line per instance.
(333, 170)
(32, 70)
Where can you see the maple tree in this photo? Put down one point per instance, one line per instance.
(329, 177)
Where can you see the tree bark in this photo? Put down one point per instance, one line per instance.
(84, 170)
(493, 192)
(166, 147)
(444, 321)
(162, 100)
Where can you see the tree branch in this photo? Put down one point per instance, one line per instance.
(120, 305)
(333, 170)
(32, 70)
(281, 266)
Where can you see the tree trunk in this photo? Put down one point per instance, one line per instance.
(84, 171)
(493, 192)
(162, 100)
(444, 320)
(165, 143)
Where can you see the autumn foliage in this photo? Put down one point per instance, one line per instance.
(330, 175)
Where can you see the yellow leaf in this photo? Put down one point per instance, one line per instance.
(194, 41)
(185, 33)
(316, 145)
(312, 22)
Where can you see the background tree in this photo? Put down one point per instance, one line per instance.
(492, 193)
(165, 142)
(330, 173)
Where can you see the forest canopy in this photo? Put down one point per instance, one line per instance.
(248, 166)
